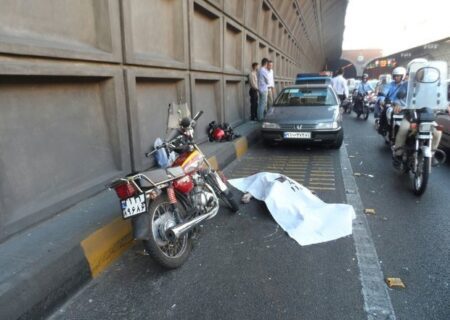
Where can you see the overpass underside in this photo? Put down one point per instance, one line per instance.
(85, 85)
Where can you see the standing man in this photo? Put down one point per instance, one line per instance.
(271, 86)
(339, 85)
(263, 82)
(253, 81)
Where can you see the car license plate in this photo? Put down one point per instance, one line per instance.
(297, 135)
(133, 206)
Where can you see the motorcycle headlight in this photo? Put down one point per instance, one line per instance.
(327, 125)
(270, 125)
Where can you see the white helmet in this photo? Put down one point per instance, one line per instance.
(417, 60)
(399, 71)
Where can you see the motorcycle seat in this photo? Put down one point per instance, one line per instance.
(176, 172)
(425, 115)
(159, 175)
(156, 176)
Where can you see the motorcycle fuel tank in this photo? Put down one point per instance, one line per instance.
(189, 161)
(184, 185)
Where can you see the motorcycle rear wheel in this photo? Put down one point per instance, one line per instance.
(170, 254)
(421, 175)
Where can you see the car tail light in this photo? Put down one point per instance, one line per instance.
(125, 190)
(440, 127)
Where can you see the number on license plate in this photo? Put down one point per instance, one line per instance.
(133, 206)
(297, 135)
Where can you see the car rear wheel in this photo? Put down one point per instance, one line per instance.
(269, 142)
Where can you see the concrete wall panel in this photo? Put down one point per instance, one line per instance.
(87, 29)
(252, 10)
(233, 100)
(265, 20)
(217, 3)
(262, 51)
(233, 55)
(250, 53)
(151, 92)
(166, 47)
(207, 95)
(235, 8)
(206, 37)
(64, 136)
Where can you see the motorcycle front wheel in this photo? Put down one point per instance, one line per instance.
(168, 253)
(366, 112)
(226, 197)
(421, 175)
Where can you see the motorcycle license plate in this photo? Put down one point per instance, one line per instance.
(133, 206)
(297, 135)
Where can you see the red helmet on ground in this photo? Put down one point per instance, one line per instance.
(218, 134)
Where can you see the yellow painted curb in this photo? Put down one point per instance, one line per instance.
(105, 245)
(213, 162)
(241, 146)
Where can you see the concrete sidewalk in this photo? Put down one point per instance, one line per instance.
(42, 266)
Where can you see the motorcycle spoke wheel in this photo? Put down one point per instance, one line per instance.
(163, 219)
(421, 175)
(166, 252)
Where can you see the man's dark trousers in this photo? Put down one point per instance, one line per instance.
(253, 103)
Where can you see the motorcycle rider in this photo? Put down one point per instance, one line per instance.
(363, 88)
(402, 133)
(390, 94)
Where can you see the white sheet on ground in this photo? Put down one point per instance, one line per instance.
(305, 217)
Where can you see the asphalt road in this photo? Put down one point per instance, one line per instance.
(411, 234)
(245, 267)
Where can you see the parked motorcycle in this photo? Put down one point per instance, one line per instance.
(166, 206)
(361, 105)
(417, 153)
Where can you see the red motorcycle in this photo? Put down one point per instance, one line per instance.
(166, 206)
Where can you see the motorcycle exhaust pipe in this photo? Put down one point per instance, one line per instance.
(440, 156)
(181, 229)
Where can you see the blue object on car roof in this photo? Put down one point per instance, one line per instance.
(312, 78)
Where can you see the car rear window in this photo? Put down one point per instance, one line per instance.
(299, 97)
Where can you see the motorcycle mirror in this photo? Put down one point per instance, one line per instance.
(198, 115)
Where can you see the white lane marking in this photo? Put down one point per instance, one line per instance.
(377, 302)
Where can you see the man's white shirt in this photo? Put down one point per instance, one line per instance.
(339, 85)
(270, 76)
